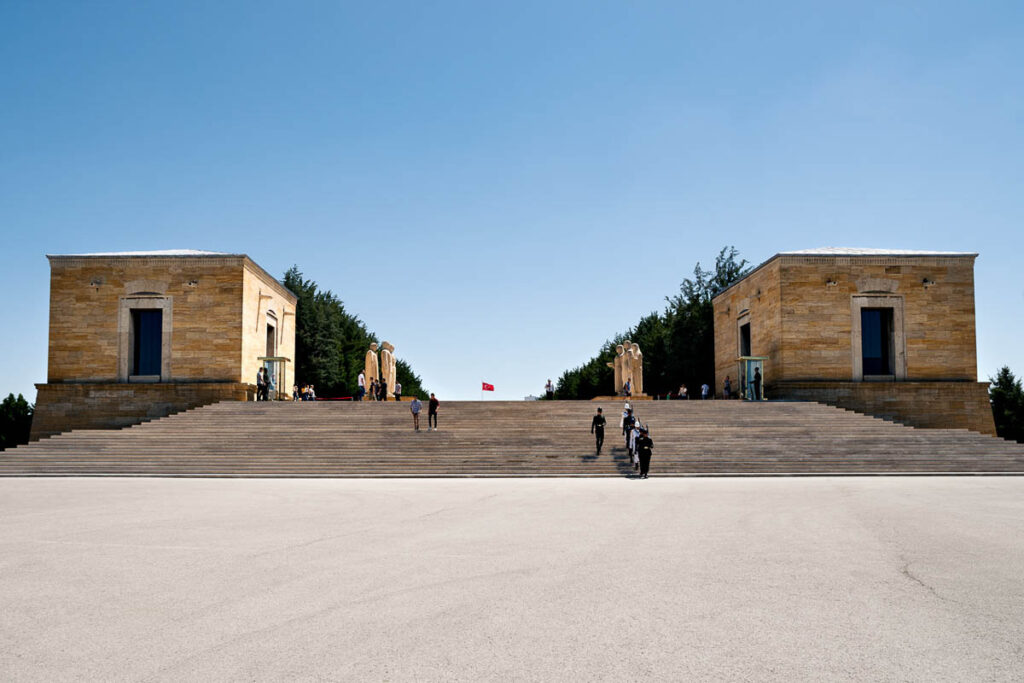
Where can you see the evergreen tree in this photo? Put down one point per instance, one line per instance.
(678, 344)
(331, 344)
(1007, 398)
(15, 421)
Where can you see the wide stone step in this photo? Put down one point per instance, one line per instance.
(509, 439)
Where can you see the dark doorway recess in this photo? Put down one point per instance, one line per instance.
(147, 328)
(271, 340)
(745, 339)
(877, 340)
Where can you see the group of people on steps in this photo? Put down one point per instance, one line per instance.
(378, 389)
(639, 444)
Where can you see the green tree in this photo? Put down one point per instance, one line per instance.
(678, 344)
(1007, 399)
(15, 421)
(331, 343)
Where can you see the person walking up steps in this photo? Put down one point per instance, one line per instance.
(432, 407)
(414, 408)
(597, 429)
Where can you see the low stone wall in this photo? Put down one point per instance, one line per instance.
(66, 406)
(947, 405)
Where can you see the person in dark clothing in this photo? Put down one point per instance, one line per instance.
(597, 429)
(383, 390)
(432, 413)
(627, 426)
(644, 444)
(262, 385)
(757, 384)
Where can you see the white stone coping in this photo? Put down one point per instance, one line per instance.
(858, 251)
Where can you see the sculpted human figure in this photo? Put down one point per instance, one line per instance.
(637, 357)
(388, 366)
(616, 365)
(371, 367)
(627, 365)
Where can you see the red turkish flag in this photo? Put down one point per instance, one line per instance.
(487, 387)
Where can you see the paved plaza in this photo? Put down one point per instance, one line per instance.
(901, 578)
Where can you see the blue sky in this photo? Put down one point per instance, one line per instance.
(498, 188)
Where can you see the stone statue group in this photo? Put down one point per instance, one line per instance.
(384, 370)
(629, 369)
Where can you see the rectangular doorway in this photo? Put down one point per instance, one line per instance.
(745, 339)
(271, 341)
(876, 329)
(147, 336)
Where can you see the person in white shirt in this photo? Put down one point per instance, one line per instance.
(398, 390)
(362, 387)
(549, 389)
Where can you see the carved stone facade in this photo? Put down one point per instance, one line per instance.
(210, 318)
(807, 311)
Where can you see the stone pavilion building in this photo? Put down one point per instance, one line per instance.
(138, 335)
(885, 332)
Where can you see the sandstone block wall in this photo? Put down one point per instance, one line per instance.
(938, 320)
(214, 329)
(804, 312)
(265, 300)
(938, 405)
(757, 300)
(63, 407)
(803, 319)
(86, 335)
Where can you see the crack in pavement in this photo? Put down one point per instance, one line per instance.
(905, 570)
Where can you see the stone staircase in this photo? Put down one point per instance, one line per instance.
(492, 438)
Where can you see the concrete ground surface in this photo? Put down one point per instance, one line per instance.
(916, 578)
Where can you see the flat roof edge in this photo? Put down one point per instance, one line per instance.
(140, 256)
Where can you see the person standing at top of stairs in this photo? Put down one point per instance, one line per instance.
(597, 429)
(432, 407)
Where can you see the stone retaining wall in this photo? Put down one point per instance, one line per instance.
(949, 405)
(62, 407)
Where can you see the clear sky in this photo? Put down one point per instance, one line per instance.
(497, 188)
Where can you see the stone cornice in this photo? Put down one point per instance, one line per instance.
(231, 259)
